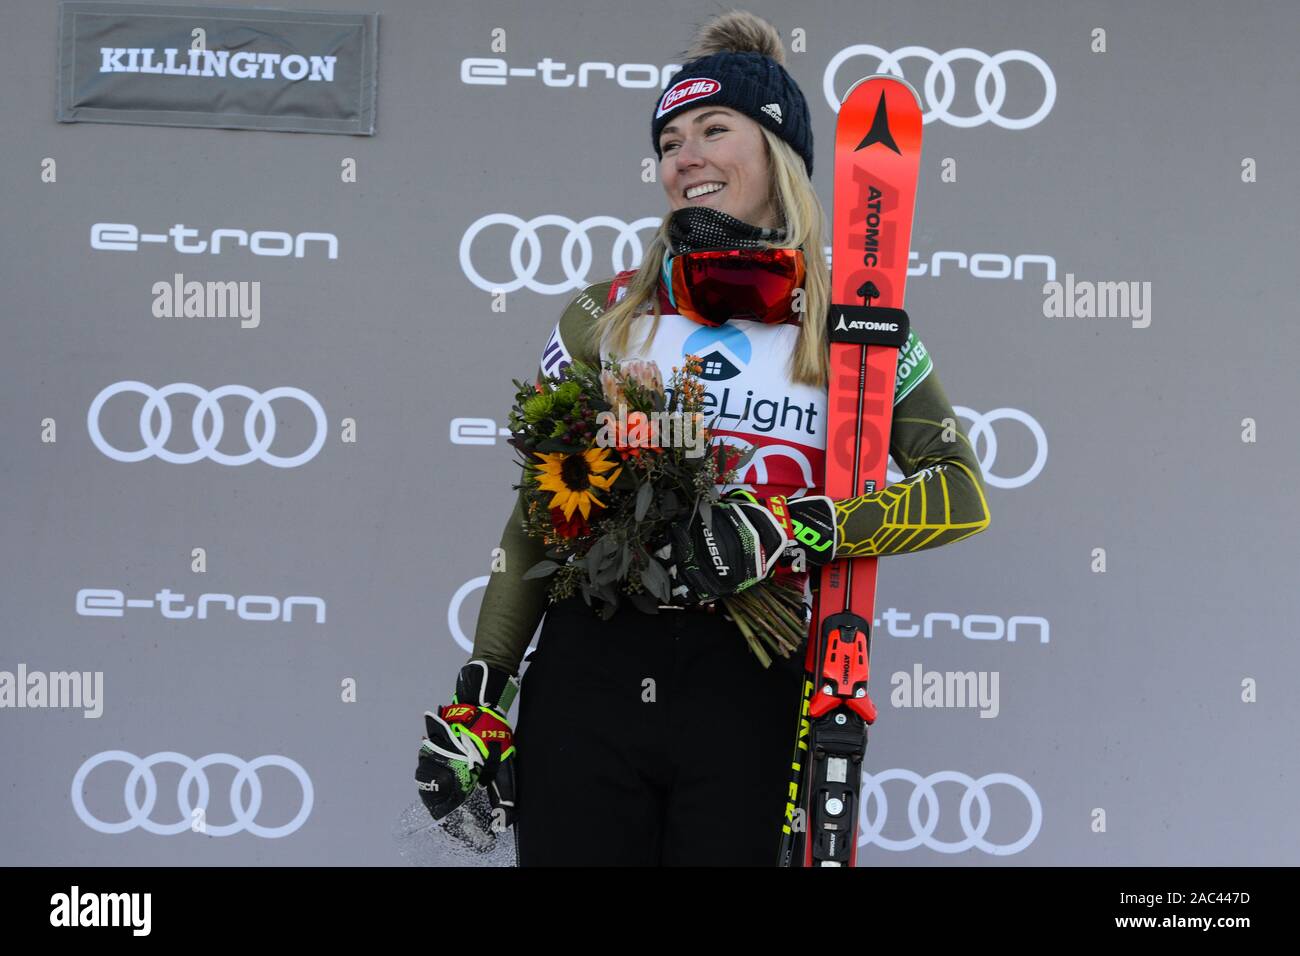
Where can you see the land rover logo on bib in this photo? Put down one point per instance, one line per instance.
(685, 91)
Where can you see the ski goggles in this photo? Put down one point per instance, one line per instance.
(713, 286)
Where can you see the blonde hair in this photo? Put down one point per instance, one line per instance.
(797, 205)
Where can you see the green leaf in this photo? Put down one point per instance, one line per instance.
(705, 510)
(745, 456)
(540, 570)
(600, 555)
(656, 581)
(608, 573)
(643, 496)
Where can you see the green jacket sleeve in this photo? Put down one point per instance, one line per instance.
(942, 500)
(512, 607)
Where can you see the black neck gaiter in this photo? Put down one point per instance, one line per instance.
(698, 227)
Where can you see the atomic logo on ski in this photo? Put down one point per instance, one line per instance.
(879, 132)
(866, 326)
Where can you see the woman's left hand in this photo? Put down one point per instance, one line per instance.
(741, 546)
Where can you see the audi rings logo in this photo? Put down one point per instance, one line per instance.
(575, 253)
(208, 424)
(940, 68)
(139, 814)
(923, 788)
(981, 430)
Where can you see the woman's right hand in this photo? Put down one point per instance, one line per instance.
(469, 743)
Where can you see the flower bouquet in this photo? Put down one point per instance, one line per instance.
(611, 460)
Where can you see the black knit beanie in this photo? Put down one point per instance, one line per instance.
(750, 83)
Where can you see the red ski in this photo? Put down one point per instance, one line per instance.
(877, 159)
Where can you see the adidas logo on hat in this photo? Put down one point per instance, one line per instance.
(773, 110)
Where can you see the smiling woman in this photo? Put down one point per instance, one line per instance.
(659, 739)
(735, 149)
(719, 159)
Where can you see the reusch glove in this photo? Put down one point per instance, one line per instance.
(469, 742)
(747, 538)
(815, 531)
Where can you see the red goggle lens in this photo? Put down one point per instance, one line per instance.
(714, 286)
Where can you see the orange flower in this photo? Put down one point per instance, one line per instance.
(634, 436)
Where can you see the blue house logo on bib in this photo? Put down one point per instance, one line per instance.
(722, 351)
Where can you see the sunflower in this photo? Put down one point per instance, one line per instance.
(573, 478)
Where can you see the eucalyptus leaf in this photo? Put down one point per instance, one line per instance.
(592, 562)
(610, 597)
(745, 456)
(601, 554)
(607, 574)
(705, 510)
(643, 496)
(541, 569)
(656, 581)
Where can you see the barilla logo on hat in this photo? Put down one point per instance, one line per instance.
(684, 91)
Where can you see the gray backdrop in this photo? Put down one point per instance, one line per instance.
(1123, 736)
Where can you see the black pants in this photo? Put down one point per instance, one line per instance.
(651, 740)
